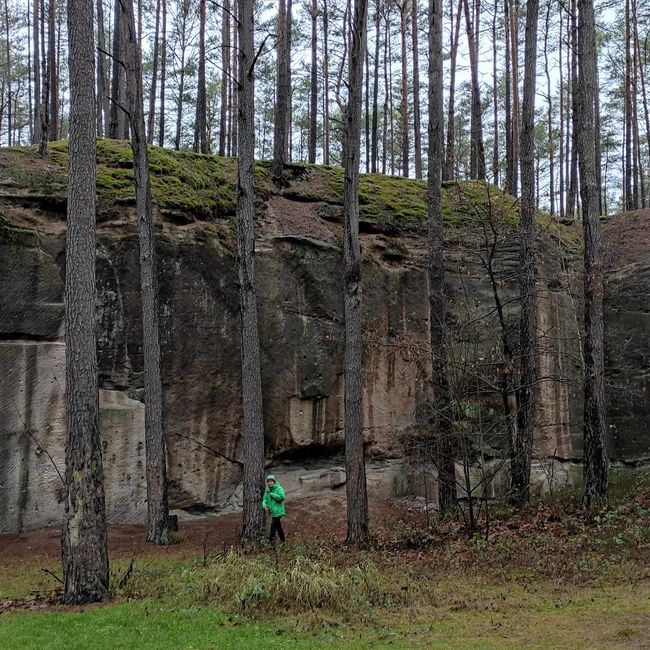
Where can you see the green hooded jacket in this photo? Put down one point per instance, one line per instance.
(274, 500)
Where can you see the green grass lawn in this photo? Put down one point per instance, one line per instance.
(472, 616)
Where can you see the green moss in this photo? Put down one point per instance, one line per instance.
(205, 186)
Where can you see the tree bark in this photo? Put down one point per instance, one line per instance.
(495, 97)
(549, 117)
(561, 117)
(117, 117)
(444, 458)
(53, 122)
(449, 170)
(374, 149)
(595, 461)
(357, 497)
(282, 93)
(156, 463)
(510, 165)
(103, 107)
(313, 90)
(253, 425)
(151, 117)
(417, 129)
(163, 74)
(326, 88)
(522, 447)
(514, 60)
(38, 105)
(200, 122)
(402, 5)
(573, 172)
(83, 543)
(477, 155)
(225, 78)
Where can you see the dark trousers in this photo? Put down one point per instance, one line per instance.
(276, 527)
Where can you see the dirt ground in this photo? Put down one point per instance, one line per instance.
(317, 518)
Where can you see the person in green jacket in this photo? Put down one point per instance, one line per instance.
(273, 504)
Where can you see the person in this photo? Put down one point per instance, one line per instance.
(273, 504)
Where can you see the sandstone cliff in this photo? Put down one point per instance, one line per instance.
(300, 303)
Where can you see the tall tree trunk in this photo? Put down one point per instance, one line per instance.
(156, 469)
(53, 122)
(282, 92)
(628, 191)
(181, 81)
(151, 116)
(573, 172)
(598, 147)
(9, 73)
(417, 128)
(516, 114)
(510, 164)
(45, 112)
(444, 457)
(449, 169)
(115, 126)
(103, 107)
(367, 111)
(495, 97)
(374, 150)
(357, 496)
(38, 105)
(522, 447)
(225, 76)
(235, 95)
(200, 121)
(83, 543)
(253, 429)
(163, 74)
(477, 155)
(639, 189)
(549, 117)
(313, 90)
(561, 116)
(595, 461)
(646, 113)
(326, 88)
(404, 109)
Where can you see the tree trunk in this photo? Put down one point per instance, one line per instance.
(444, 458)
(235, 96)
(477, 155)
(151, 117)
(38, 105)
(495, 98)
(357, 497)
(200, 122)
(595, 461)
(253, 429)
(628, 192)
(561, 116)
(326, 89)
(404, 109)
(181, 81)
(225, 78)
(449, 170)
(282, 94)
(83, 543)
(417, 129)
(573, 172)
(522, 448)
(103, 107)
(549, 117)
(53, 122)
(313, 90)
(514, 60)
(157, 508)
(374, 148)
(510, 164)
(163, 74)
(116, 119)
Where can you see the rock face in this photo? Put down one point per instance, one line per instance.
(300, 307)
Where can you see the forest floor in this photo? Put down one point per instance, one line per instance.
(553, 576)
